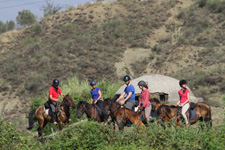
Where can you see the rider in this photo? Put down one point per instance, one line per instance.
(54, 92)
(145, 99)
(184, 94)
(96, 98)
(129, 91)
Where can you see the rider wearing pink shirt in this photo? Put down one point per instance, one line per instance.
(144, 99)
(184, 94)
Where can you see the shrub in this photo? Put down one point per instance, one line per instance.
(68, 28)
(37, 28)
(10, 139)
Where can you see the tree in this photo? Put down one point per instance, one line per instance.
(50, 9)
(10, 25)
(25, 18)
(3, 27)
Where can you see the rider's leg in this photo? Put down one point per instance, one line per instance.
(100, 105)
(130, 104)
(52, 106)
(184, 110)
(148, 112)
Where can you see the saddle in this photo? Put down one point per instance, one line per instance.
(191, 113)
(153, 113)
(47, 110)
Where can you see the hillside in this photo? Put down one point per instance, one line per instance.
(179, 38)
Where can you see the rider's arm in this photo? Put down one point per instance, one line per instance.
(121, 96)
(100, 95)
(179, 100)
(91, 99)
(56, 100)
(129, 95)
(62, 95)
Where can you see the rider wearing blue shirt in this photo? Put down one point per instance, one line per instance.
(129, 91)
(96, 98)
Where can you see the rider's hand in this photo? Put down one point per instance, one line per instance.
(95, 102)
(121, 102)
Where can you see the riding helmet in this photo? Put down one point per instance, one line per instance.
(141, 83)
(126, 78)
(182, 82)
(56, 82)
(92, 82)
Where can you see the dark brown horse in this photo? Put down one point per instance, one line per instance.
(90, 110)
(63, 115)
(166, 113)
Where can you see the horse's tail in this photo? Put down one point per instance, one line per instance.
(210, 116)
(31, 119)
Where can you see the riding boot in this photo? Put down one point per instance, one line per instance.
(54, 118)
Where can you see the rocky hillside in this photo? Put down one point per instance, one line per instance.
(105, 40)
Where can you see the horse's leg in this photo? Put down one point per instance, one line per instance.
(40, 129)
(60, 125)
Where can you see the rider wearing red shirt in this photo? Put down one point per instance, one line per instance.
(145, 99)
(54, 92)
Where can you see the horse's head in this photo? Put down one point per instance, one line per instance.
(80, 108)
(68, 100)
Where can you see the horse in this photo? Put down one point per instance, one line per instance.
(114, 107)
(124, 114)
(63, 115)
(166, 113)
(90, 110)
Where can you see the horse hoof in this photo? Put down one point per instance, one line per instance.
(55, 123)
(70, 119)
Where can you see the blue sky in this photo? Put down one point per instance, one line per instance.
(12, 12)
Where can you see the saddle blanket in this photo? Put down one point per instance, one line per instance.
(192, 114)
(47, 111)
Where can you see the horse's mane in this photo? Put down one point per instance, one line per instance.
(167, 108)
(156, 100)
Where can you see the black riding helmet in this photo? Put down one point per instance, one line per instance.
(141, 83)
(126, 78)
(182, 82)
(92, 82)
(56, 82)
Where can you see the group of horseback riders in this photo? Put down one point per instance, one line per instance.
(129, 92)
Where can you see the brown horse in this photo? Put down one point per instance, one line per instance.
(63, 115)
(166, 113)
(90, 110)
(124, 114)
(114, 107)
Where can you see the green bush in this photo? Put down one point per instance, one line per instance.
(10, 139)
(68, 27)
(37, 28)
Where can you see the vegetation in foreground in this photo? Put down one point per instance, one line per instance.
(93, 135)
